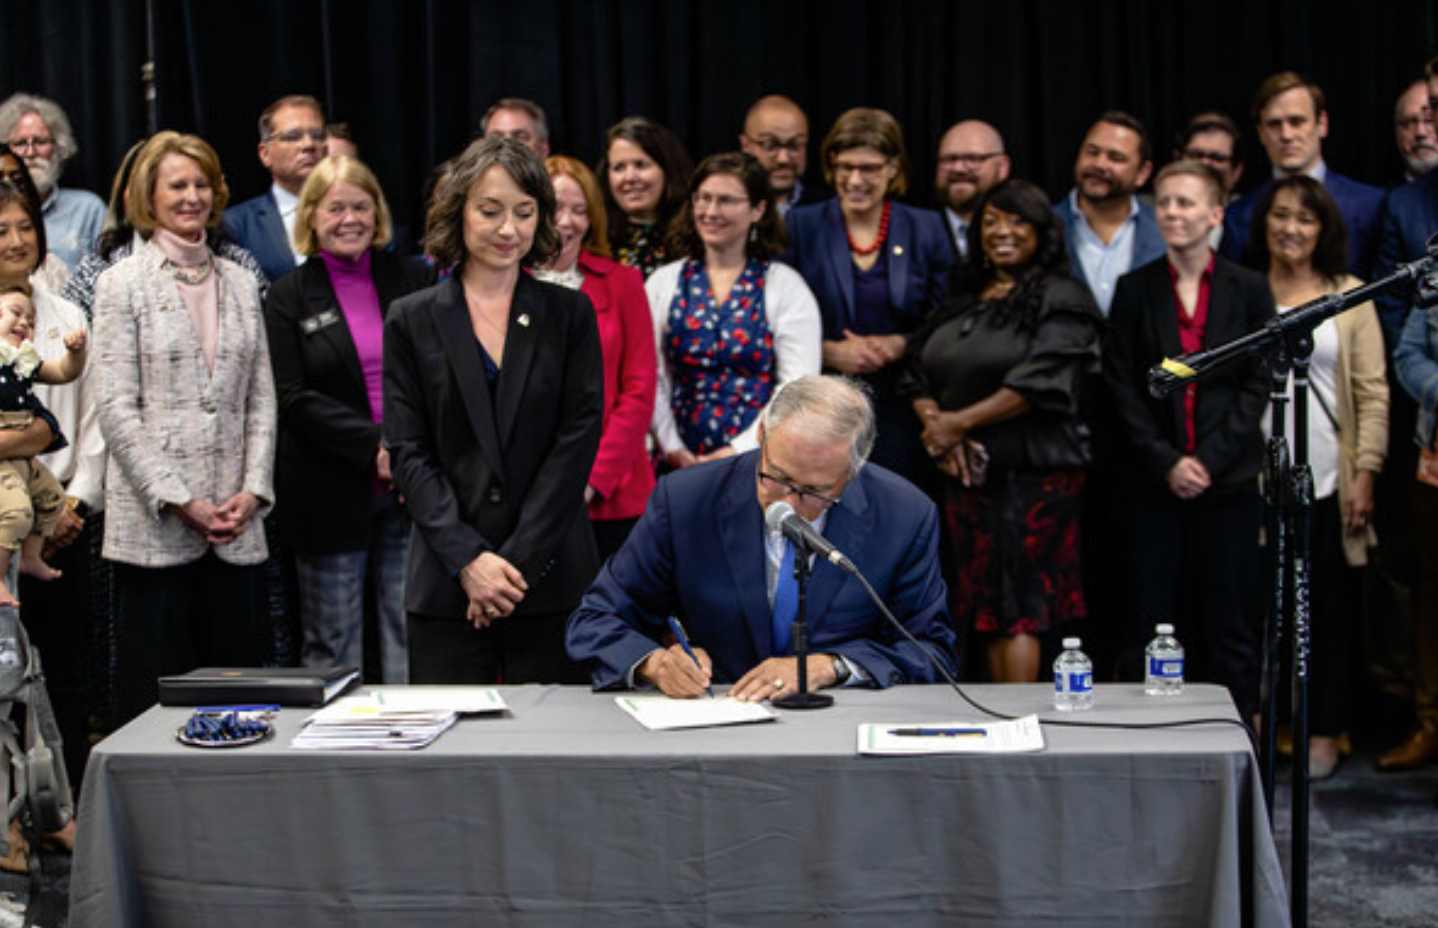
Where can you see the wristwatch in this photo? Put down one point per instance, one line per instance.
(841, 670)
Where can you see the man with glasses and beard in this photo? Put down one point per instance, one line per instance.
(38, 131)
(702, 553)
(776, 132)
(970, 163)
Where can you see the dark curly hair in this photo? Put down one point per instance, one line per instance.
(767, 239)
(444, 223)
(664, 149)
(1051, 258)
(1330, 252)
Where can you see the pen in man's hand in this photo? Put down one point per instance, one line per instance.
(678, 631)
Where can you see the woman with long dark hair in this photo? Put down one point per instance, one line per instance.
(994, 379)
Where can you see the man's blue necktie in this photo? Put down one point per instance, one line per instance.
(786, 603)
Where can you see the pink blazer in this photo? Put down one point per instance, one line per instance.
(622, 476)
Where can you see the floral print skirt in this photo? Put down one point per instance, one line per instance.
(1015, 548)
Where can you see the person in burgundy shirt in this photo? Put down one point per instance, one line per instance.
(1191, 517)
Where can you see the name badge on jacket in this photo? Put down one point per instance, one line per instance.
(324, 320)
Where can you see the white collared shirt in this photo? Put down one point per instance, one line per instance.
(1103, 264)
(288, 204)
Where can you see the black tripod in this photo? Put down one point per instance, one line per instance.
(1286, 344)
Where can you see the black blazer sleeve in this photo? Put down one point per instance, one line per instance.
(327, 434)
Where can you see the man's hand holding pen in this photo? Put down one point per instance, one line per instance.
(675, 673)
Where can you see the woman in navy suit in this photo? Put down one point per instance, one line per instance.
(493, 403)
(337, 510)
(878, 269)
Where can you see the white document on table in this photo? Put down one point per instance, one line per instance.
(660, 713)
(1014, 736)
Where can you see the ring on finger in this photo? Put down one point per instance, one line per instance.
(778, 684)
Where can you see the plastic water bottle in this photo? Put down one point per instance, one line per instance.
(1073, 678)
(1165, 663)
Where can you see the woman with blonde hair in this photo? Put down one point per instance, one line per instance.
(187, 406)
(339, 513)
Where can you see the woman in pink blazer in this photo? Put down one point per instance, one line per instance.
(620, 482)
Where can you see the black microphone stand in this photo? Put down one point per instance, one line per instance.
(1288, 340)
(803, 699)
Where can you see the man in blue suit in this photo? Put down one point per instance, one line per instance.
(703, 554)
(1107, 230)
(293, 139)
(1292, 118)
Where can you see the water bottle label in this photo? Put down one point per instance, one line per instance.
(1074, 682)
(1167, 668)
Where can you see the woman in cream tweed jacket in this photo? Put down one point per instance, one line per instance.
(187, 407)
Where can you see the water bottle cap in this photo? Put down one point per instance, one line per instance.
(1163, 628)
(1072, 644)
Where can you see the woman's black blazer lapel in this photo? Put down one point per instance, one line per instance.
(461, 349)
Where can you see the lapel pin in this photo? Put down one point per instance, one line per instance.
(898, 249)
(524, 319)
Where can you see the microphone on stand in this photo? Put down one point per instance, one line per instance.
(781, 517)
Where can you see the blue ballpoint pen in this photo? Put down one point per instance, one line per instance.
(678, 631)
(939, 732)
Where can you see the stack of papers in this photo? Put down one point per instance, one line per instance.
(393, 718)
(1008, 737)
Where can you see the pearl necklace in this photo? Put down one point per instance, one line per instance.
(192, 275)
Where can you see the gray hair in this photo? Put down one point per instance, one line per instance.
(828, 407)
(54, 118)
(531, 109)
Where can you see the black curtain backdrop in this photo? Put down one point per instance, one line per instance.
(413, 76)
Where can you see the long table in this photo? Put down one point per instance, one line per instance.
(565, 811)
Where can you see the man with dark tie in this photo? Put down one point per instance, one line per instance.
(703, 554)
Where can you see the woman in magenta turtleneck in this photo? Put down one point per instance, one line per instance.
(337, 507)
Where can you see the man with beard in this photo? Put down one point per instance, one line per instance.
(37, 130)
(1108, 231)
(776, 133)
(1292, 117)
(1414, 132)
(293, 139)
(971, 161)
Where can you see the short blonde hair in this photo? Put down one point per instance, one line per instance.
(596, 240)
(325, 175)
(140, 200)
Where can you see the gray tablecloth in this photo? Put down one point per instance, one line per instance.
(567, 812)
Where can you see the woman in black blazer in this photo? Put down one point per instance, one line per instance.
(337, 509)
(493, 395)
(1192, 509)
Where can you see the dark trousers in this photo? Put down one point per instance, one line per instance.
(207, 613)
(57, 616)
(1193, 563)
(610, 535)
(1333, 621)
(517, 649)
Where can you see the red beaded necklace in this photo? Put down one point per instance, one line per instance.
(879, 240)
